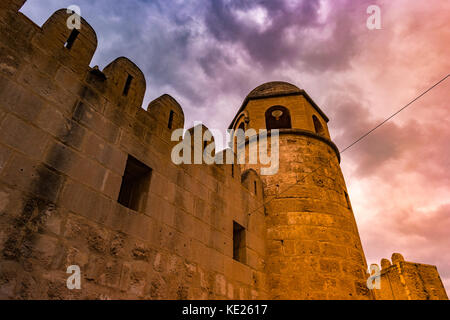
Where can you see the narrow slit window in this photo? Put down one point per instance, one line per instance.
(232, 170)
(126, 89)
(318, 126)
(135, 185)
(348, 200)
(170, 119)
(72, 37)
(239, 243)
(205, 144)
(256, 189)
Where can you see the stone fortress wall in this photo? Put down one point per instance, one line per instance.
(67, 132)
(404, 280)
(86, 179)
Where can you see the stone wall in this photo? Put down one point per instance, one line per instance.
(66, 132)
(404, 280)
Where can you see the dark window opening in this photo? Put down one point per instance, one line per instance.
(126, 89)
(170, 119)
(72, 37)
(135, 185)
(256, 191)
(348, 200)
(318, 126)
(278, 117)
(232, 170)
(205, 144)
(239, 243)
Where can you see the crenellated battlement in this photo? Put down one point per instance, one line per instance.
(121, 82)
(403, 280)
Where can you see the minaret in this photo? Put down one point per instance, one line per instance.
(313, 246)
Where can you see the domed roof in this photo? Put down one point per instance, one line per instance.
(274, 88)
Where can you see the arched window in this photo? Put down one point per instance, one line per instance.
(318, 126)
(278, 117)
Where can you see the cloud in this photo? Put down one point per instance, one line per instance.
(390, 142)
(295, 32)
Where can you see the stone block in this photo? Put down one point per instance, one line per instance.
(23, 136)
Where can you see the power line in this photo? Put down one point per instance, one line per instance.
(356, 141)
(396, 113)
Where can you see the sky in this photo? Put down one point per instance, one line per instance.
(209, 54)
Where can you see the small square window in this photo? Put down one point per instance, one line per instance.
(239, 243)
(135, 185)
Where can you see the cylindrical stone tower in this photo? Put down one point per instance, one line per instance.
(313, 246)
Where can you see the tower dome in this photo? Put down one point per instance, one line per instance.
(274, 88)
(286, 95)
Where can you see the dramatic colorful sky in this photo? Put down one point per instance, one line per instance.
(209, 54)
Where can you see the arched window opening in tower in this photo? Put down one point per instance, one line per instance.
(318, 126)
(278, 117)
